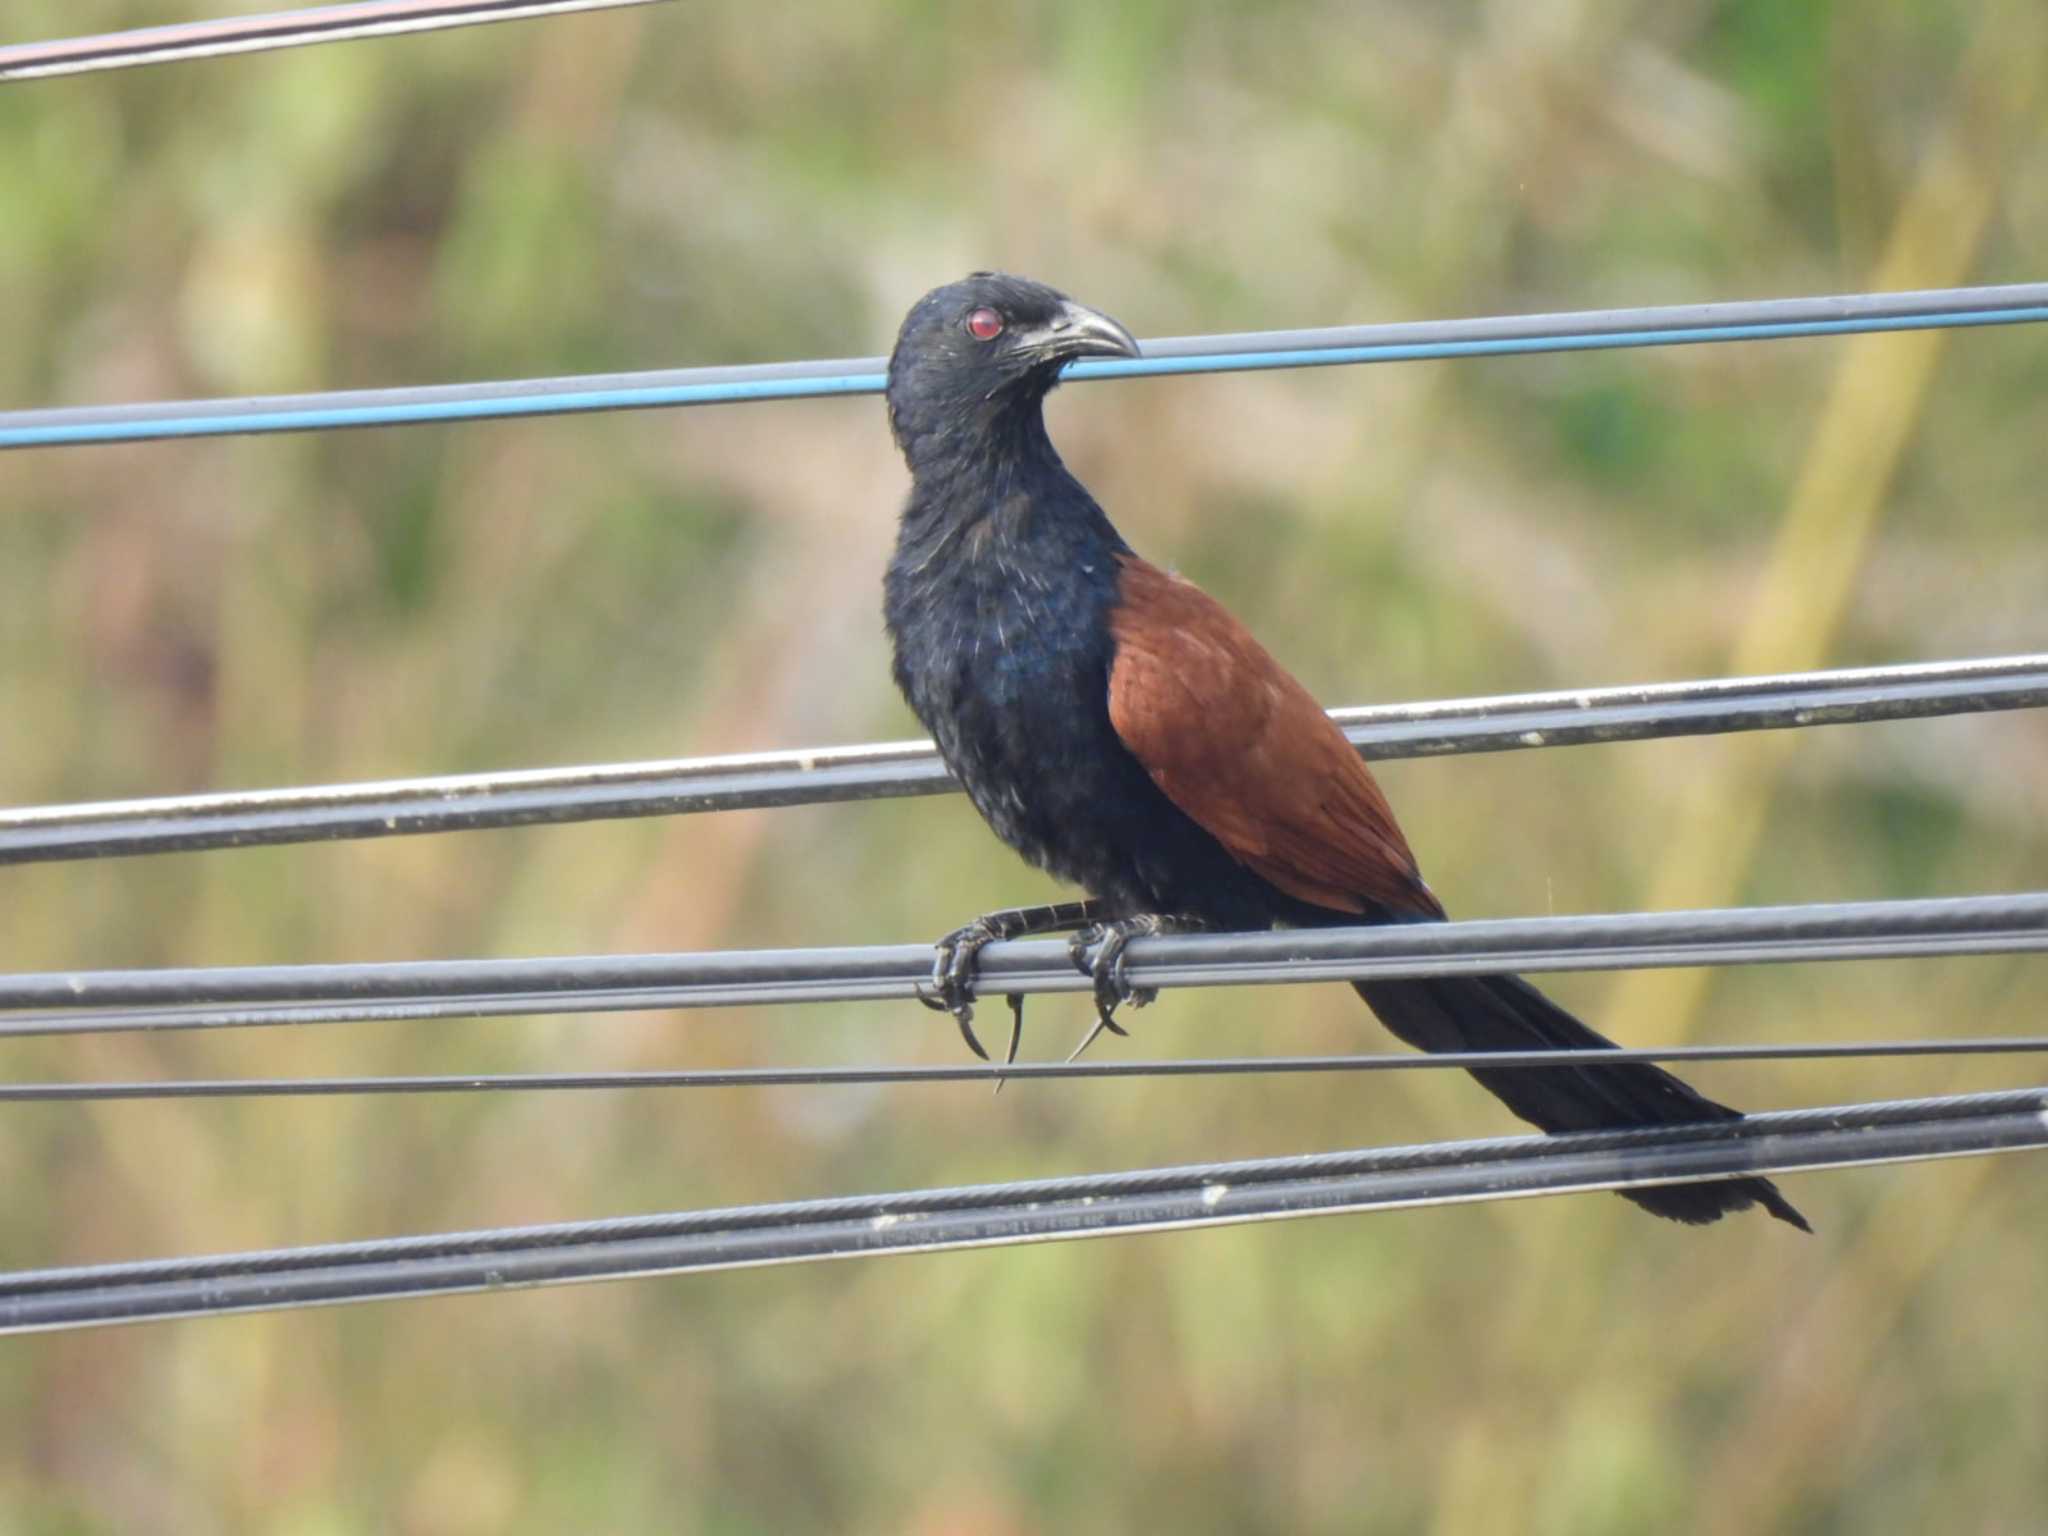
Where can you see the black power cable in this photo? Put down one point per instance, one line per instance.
(214, 997)
(468, 802)
(1096, 1205)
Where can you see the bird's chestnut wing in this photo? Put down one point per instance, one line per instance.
(1241, 747)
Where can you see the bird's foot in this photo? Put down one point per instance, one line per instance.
(955, 959)
(1098, 952)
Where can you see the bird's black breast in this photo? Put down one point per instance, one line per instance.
(1003, 648)
(1006, 661)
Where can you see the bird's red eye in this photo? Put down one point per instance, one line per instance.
(985, 325)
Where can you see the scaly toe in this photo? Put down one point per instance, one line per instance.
(951, 987)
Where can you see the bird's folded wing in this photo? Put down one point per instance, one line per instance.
(1241, 747)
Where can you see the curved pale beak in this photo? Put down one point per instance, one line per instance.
(1077, 331)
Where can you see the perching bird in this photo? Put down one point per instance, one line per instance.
(1119, 729)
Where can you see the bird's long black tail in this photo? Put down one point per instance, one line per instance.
(1505, 1013)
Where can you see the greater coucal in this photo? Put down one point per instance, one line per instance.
(1118, 728)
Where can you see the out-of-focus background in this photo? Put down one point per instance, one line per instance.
(725, 182)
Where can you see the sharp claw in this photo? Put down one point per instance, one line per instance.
(964, 1017)
(1107, 1000)
(1089, 1039)
(1016, 1002)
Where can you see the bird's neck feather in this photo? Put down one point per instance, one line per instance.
(987, 472)
(965, 434)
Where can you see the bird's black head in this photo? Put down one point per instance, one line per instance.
(980, 354)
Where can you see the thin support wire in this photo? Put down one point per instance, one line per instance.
(1590, 330)
(288, 29)
(83, 1002)
(989, 1215)
(1028, 1071)
(469, 802)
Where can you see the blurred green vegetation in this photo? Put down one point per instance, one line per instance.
(725, 182)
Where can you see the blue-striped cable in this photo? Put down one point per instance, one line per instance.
(1675, 325)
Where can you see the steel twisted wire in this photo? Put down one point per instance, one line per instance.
(1040, 1210)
